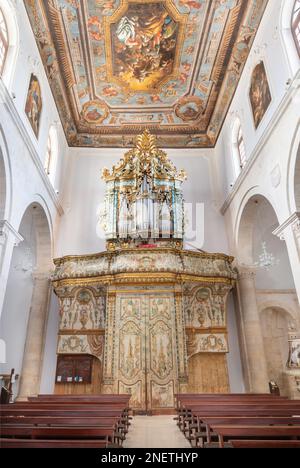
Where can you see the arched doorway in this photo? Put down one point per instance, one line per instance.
(21, 327)
(265, 276)
(276, 324)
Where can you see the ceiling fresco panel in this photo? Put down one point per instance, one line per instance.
(117, 67)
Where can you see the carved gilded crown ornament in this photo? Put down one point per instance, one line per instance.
(143, 197)
(144, 158)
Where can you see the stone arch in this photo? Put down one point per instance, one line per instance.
(257, 222)
(41, 228)
(26, 300)
(245, 225)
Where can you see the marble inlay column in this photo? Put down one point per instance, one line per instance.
(35, 339)
(254, 353)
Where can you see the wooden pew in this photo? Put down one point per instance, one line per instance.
(194, 413)
(68, 418)
(38, 443)
(59, 421)
(187, 405)
(33, 432)
(48, 421)
(265, 443)
(208, 422)
(230, 432)
(13, 413)
(105, 399)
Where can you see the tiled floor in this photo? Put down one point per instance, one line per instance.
(154, 432)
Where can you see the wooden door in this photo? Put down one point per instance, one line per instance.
(161, 371)
(146, 350)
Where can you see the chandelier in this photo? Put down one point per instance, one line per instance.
(266, 259)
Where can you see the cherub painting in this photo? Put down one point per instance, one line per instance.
(144, 43)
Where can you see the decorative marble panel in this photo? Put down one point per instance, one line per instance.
(206, 343)
(162, 396)
(83, 311)
(136, 392)
(161, 349)
(79, 344)
(130, 349)
(205, 306)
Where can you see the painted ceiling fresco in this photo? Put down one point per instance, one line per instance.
(117, 67)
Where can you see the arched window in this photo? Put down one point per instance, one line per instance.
(239, 149)
(4, 41)
(296, 24)
(9, 41)
(51, 154)
(48, 159)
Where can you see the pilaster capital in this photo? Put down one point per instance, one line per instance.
(6, 230)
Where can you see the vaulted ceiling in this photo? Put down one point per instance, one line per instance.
(117, 67)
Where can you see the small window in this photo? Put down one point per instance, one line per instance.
(296, 24)
(48, 159)
(241, 148)
(3, 41)
(51, 154)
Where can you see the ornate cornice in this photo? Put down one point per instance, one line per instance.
(141, 278)
(130, 251)
(145, 266)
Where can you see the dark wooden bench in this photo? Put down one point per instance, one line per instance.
(38, 443)
(261, 432)
(206, 433)
(48, 421)
(60, 432)
(75, 417)
(265, 443)
(192, 416)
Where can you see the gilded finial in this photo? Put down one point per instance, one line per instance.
(147, 154)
